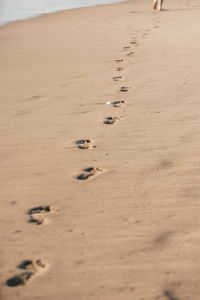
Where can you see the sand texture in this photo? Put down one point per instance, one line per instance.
(100, 154)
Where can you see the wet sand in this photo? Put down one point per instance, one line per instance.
(101, 201)
(12, 10)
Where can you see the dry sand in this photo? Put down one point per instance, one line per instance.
(130, 228)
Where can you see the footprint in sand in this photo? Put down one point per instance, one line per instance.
(116, 103)
(119, 69)
(119, 60)
(124, 89)
(117, 78)
(144, 35)
(156, 23)
(111, 120)
(89, 173)
(33, 266)
(130, 53)
(85, 144)
(134, 42)
(127, 47)
(35, 214)
(20, 279)
(169, 295)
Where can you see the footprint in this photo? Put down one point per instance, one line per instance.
(33, 267)
(85, 144)
(117, 78)
(116, 103)
(89, 172)
(169, 295)
(20, 279)
(133, 42)
(37, 221)
(111, 120)
(38, 211)
(119, 69)
(127, 47)
(130, 53)
(145, 34)
(124, 89)
(119, 103)
(119, 60)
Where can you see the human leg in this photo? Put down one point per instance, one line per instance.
(160, 2)
(155, 4)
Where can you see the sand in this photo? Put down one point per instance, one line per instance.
(118, 219)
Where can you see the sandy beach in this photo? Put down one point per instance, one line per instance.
(100, 167)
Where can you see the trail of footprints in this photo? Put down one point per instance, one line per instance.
(36, 266)
(32, 268)
(92, 172)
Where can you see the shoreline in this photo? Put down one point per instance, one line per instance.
(100, 154)
(57, 11)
